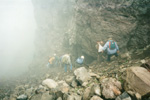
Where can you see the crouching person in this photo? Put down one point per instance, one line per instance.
(65, 61)
(112, 48)
(79, 62)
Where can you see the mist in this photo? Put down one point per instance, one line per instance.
(17, 30)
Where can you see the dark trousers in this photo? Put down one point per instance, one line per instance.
(109, 56)
(100, 57)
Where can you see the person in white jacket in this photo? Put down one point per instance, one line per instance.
(66, 61)
(99, 47)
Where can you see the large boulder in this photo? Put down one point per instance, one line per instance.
(138, 80)
(50, 83)
(110, 88)
(82, 75)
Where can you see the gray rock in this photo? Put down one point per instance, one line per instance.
(74, 84)
(63, 87)
(36, 97)
(94, 75)
(74, 97)
(96, 98)
(96, 89)
(22, 97)
(28, 92)
(12, 97)
(89, 92)
(50, 83)
(86, 94)
(138, 96)
(124, 96)
(125, 56)
(82, 75)
(5, 98)
(59, 98)
(69, 79)
(135, 76)
(46, 96)
(110, 88)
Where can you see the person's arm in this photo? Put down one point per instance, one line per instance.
(117, 46)
(105, 46)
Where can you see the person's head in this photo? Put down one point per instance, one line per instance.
(101, 42)
(109, 38)
(54, 54)
(82, 57)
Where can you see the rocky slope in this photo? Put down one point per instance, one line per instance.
(75, 26)
(106, 81)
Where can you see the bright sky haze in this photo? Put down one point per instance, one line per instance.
(17, 30)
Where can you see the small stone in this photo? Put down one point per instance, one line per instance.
(124, 96)
(96, 98)
(22, 97)
(138, 96)
(143, 61)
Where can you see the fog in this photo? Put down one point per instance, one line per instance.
(17, 27)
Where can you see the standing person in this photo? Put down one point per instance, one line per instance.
(99, 47)
(112, 48)
(65, 61)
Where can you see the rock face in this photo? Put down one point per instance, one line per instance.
(79, 24)
(125, 21)
(138, 80)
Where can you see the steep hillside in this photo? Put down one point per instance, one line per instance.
(126, 21)
(54, 19)
(75, 26)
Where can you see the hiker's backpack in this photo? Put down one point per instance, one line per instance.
(112, 45)
(51, 60)
(65, 59)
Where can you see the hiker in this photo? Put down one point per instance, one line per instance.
(53, 61)
(65, 61)
(79, 62)
(112, 48)
(99, 47)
